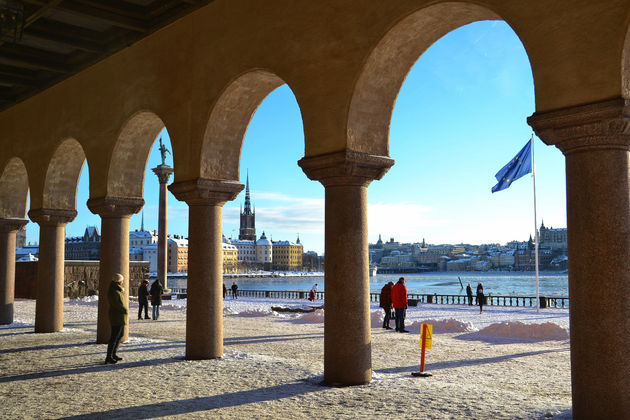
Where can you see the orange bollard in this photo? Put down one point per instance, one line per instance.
(423, 346)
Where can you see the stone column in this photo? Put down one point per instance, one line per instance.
(204, 311)
(50, 267)
(595, 140)
(115, 213)
(347, 340)
(163, 173)
(8, 229)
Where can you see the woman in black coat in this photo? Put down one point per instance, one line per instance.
(480, 297)
(156, 298)
(143, 299)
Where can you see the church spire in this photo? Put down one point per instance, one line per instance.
(248, 206)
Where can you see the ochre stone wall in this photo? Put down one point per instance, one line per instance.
(81, 278)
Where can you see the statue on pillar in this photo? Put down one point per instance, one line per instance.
(163, 151)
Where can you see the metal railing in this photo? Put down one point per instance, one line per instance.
(413, 298)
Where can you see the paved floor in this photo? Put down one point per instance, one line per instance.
(271, 369)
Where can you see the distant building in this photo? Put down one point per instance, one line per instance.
(554, 239)
(177, 255)
(287, 256)
(86, 247)
(247, 231)
(230, 258)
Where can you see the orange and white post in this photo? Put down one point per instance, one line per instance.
(426, 340)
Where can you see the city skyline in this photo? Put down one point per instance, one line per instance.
(459, 117)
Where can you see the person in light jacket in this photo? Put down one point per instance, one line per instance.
(118, 317)
(399, 301)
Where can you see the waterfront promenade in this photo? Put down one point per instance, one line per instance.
(272, 368)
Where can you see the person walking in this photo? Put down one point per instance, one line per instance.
(224, 290)
(399, 301)
(385, 302)
(234, 291)
(118, 317)
(156, 298)
(143, 299)
(480, 297)
(469, 294)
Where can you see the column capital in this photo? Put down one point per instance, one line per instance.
(594, 126)
(12, 224)
(115, 206)
(203, 191)
(52, 217)
(163, 173)
(347, 167)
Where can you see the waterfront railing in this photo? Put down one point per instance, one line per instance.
(413, 298)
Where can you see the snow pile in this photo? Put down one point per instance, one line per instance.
(377, 318)
(517, 329)
(440, 326)
(255, 312)
(312, 317)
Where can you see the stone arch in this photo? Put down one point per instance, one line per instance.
(129, 159)
(388, 64)
(13, 189)
(228, 122)
(62, 176)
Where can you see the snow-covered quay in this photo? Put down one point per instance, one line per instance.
(505, 363)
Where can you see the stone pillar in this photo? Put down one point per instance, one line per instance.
(163, 173)
(204, 311)
(347, 340)
(595, 140)
(8, 229)
(50, 267)
(115, 213)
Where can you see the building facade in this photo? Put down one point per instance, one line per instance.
(86, 247)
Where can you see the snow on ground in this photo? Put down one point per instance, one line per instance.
(505, 363)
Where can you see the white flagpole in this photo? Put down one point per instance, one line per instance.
(535, 225)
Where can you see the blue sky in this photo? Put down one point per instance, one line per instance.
(459, 117)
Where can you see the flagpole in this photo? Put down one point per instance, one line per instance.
(535, 225)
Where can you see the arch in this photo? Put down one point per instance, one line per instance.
(62, 176)
(228, 122)
(389, 63)
(128, 163)
(13, 189)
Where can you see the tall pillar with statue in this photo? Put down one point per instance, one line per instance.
(163, 172)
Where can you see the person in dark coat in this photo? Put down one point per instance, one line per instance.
(118, 317)
(480, 297)
(234, 291)
(143, 299)
(224, 290)
(469, 294)
(385, 302)
(156, 298)
(399, 301)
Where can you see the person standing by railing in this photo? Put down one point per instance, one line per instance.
(385, 302)
(469, 294)
(234, 291)
(399, 301)
(480, 297)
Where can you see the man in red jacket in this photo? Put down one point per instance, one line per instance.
(399, 301)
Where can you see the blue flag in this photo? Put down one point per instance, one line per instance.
(516, 168)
